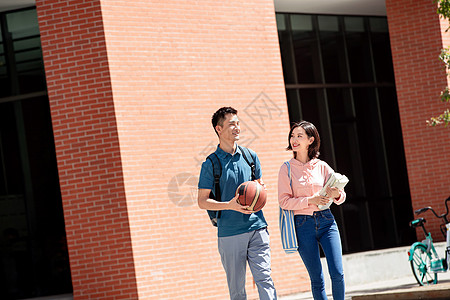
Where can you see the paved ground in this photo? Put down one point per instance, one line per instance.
(399, 289)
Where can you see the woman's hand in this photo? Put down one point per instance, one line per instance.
(333, 192)
(318, 200)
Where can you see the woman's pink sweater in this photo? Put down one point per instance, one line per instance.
(307, 180)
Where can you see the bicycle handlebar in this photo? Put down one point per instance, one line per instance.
(444, 216)
(446, 208)
(422, 210)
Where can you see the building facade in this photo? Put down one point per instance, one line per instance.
(105, 111)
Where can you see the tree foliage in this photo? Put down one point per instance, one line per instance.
(443, 119)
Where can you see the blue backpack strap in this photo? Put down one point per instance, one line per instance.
(214, 215)
(217, 172)
(252, 163)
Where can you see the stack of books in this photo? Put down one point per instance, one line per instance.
(334, 180)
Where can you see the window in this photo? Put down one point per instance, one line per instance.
(21, 63)
(33, 249)
(339, 75)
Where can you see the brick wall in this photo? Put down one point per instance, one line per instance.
(132, 87)
(417, 36)
(87, 149)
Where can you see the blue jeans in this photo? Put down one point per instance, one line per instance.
(321, 228)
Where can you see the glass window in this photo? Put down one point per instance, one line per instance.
(293, 102)
(301, 23)
(378, 25)
(359, 124)
(281, 22)
(306, 49)
(354, 24)
(358, 49)
(286, 49)
(33, 250)
(4, 81)
(333, 50)
(26, 45)
(382, 56)
(328, 23)
(311, 104)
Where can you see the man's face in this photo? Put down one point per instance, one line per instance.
(230, 129)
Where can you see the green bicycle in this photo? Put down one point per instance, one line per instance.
(425, 262)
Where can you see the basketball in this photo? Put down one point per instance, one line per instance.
(252, 194)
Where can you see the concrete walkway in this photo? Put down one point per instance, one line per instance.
(373, 275)
(404, 288)
(383, 275)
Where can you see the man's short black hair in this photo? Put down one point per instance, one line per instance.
(219, 116)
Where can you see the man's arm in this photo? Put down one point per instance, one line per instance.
(204, 202)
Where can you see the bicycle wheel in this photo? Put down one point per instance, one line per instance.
(420, 265)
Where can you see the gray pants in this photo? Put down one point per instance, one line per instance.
(253, 247)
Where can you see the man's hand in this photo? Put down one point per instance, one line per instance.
(234, 205)
(261, 182)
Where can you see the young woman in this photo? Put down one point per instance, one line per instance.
(314, 227)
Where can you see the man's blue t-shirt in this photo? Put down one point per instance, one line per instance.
(235, 170)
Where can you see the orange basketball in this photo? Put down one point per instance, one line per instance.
(252, 194)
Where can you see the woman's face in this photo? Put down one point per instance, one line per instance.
(299, 140)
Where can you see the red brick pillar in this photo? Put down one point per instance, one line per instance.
(417, 36)
(132, 88)
(87, 149)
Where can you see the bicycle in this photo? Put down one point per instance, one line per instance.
(425, 262)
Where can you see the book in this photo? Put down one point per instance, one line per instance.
(334, 180)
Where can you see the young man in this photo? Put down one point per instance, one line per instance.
(242, 234)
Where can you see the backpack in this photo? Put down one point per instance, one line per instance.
(214, 215)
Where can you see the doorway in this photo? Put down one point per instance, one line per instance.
(33, 249)
(33, 252)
